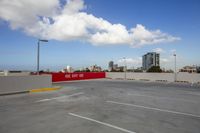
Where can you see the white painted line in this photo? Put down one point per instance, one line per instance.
(66, 96)
(160, 97)
(55, 98)
(157, 109)
(102, 123)
(194, 93)
(144, 95)
(43, 100)
(71, 81)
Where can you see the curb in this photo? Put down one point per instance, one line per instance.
(44, 89)
(119, 78)
(182, 81)
(31, 91)
(144, 79)
(130, 79)
(13, 93)
(161, 80)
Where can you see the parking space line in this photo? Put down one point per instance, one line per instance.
(43, 100)
(194, 93)
(157, 109)
(55, 98)
(160, 97)
(102, 123)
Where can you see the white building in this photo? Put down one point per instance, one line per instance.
(95, 68)
(189, 69)
(68, 69)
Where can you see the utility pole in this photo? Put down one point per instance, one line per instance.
(175, 73)
(38, 58)
(38, 55)
(125, 68)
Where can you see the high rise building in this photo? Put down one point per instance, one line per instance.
(115, 66)
(150, 59)
(110, 66)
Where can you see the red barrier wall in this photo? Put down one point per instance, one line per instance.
(58, 77)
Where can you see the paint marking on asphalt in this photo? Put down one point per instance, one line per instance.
(43, 100)
(102, 123)
(157, 109)
(160, 97)
(55, 98)
(194, 93)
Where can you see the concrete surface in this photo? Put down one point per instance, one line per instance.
(190, 77)
(7, 73)
(21, 83)
(104, 106)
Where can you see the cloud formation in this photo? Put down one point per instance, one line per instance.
(158, 50)
(50, 19)
(131, 61)
(164, 60)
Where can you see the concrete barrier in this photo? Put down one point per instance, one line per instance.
(23, 83)
(161, 77)
(62, 77)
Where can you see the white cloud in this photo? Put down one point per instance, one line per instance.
(131, 61)
(173, 51)
(164, 60)
(158, 50)
(24, 13)
(141, 36)
(48, 19)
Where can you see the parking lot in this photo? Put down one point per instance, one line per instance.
(104, 106)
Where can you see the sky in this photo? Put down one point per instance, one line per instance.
(82, 33)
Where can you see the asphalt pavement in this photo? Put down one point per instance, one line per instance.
(104, 106)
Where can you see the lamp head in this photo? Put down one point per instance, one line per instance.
(42, 40)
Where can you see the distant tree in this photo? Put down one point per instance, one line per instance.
(41, 71)
(155, 69)
(77, 71)
(198, 69)
(113, 70)
(87, 70)
(130, 70)
(137, 70)
(169, 71)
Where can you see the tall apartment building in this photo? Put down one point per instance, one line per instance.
(110, 66)
(150, 59)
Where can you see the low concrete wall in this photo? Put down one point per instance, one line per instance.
(190, 77)
(155, 76)
(21, 83)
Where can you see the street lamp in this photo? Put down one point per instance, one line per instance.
(124, 67)
(38, 55)
(175, 76)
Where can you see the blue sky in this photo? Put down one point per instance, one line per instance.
(177, 18)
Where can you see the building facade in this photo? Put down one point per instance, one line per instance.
(150, 59)
(68, 69)
(110, 66)
(95, 68)
(189, 69)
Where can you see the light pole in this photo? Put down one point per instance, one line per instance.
(124, 67)
(38, 55)
(175, 76)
